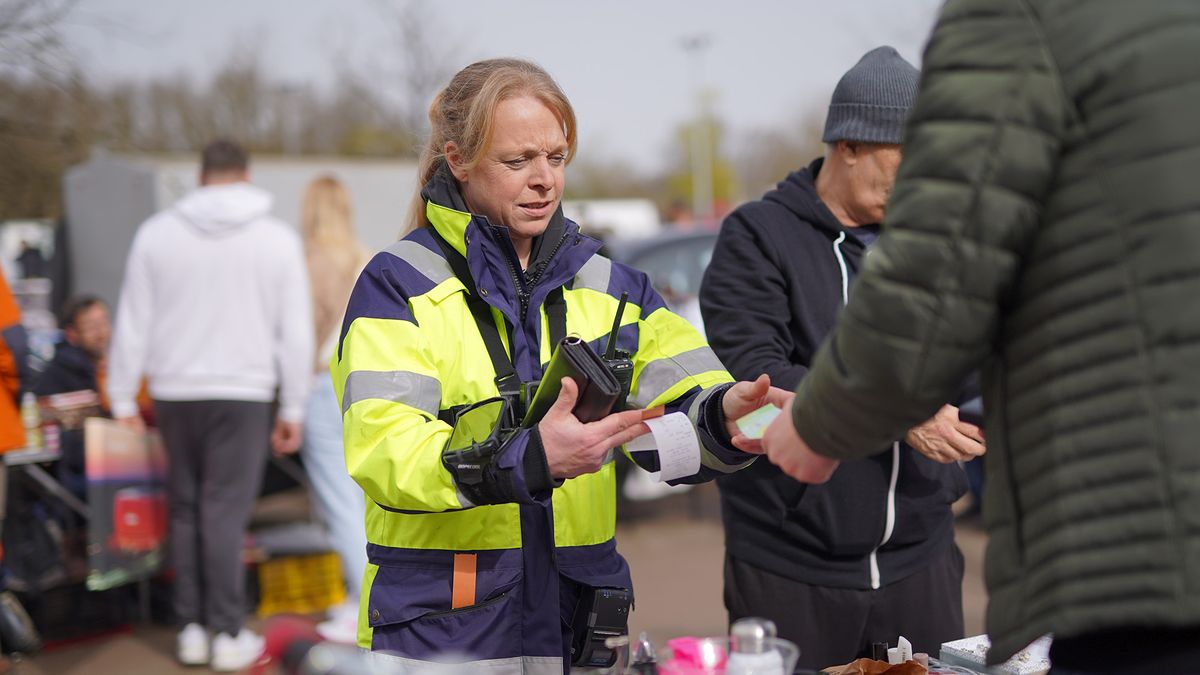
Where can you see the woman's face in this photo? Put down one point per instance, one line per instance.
(519, 181)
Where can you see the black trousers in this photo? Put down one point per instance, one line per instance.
(216, 455)
(837, 625)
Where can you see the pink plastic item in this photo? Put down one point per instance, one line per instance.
(695, 656)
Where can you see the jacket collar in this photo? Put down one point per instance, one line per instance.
(448, 214)
(556, 256)
(446, 209)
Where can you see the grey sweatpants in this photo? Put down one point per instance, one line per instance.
(216, 454)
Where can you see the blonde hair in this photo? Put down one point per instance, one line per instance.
(332, 252)
(465, 112)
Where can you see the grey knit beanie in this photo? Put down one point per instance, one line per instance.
(872, 100)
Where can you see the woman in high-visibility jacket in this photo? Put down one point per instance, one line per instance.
(493, 570)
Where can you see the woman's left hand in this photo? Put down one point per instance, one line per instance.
(746, 397)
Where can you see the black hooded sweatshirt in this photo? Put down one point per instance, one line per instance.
(71, 369)
(780, 273)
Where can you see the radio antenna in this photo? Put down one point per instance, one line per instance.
(610, 351)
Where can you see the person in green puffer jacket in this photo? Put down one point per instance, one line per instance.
(1045, 224)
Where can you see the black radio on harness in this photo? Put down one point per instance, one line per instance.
(618, 360)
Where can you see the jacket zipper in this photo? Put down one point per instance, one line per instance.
(461, 610)
(890, 503)
(525, 289)
(537, 276)
(522, 295)
(890, 522)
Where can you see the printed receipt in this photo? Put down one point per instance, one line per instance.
(678, 447)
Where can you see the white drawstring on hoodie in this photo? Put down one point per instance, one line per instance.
(890, 522)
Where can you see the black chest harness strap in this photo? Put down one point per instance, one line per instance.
(507, 380)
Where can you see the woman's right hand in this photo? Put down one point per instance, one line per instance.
(574, 448)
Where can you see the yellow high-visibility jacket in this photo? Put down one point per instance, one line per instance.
(409, 350)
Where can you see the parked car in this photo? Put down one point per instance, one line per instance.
(675, 262)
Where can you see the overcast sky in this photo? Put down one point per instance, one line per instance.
(770, 62)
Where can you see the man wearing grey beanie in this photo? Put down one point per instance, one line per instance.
(870, 555)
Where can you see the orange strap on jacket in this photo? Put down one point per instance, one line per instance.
(462, 592)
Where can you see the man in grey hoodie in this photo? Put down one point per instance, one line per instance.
(215, 311)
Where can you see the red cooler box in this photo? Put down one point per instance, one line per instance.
(139, 519)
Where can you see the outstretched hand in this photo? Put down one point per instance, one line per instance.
(574, 448)
(789, 452)
(746, 397)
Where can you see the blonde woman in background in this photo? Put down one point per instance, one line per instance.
(334, 257)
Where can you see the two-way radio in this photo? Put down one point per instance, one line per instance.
(618, 360)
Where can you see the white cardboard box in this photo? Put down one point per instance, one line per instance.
(971, 653)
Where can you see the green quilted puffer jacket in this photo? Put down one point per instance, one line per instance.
(1046, 223)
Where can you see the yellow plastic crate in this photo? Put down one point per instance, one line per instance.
(301, 584)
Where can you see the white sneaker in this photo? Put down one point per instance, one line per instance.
(231, 653)
(342, 625)
(191, 645)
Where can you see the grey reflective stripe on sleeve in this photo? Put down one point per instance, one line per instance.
(707, 458)
(462, 498)
(412, 389)
(594, 274)
(661, 374)
(431, 265)
(517, 665)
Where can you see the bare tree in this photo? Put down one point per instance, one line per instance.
(418, 62)
(237, 100)
(765, 156)
(609, 179)
(679, 180)
(44, 128)
(50, 117)
(30, 42)
(44, 112)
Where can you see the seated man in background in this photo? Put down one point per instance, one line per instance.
(78, 357)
